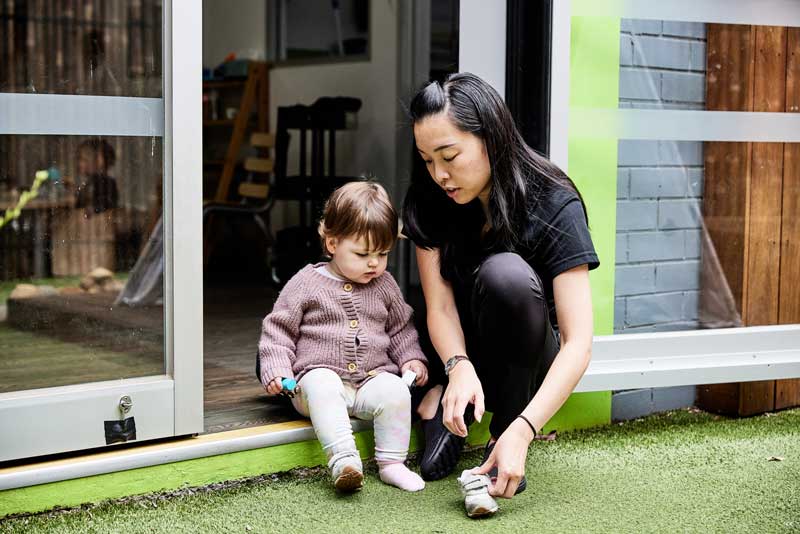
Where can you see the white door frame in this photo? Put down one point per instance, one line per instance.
(58, 419)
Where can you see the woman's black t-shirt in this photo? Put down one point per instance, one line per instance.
(555, 238)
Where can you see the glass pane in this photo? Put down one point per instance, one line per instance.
(87, 47)
(707, 232)
(707, 235)
(662, 64)
(80, 216)
(668, 64)
(318, 29)
(67, 253)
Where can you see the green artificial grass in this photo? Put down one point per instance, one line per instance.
(683, 471)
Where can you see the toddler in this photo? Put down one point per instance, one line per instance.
(343, 330)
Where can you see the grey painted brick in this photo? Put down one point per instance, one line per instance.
(658, 183)
(675, 214)
(655, 246)
(638, 153)
(681, 276)
(648, 104)
(677, 326)
(698, 57)
(623, 180)
(658, 52)
(639, 84)
(693, 244)
(673, 398)
(627, 405)
(634, 280)
(640, 26)
(650, 309)
(683, 87)
(619, 314)
(625, 50)
(691, 304)
(684, 29)
(685, 153)
(637, 215)
(696, 182)
(622, 248)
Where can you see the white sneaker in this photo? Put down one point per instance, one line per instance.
(475, 489)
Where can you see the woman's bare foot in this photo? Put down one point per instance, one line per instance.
(430, 403)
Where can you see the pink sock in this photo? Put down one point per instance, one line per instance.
(398, 475)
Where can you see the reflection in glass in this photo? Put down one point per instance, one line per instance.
(319, 29)
(707, 232)
(706, 235)
(76, 211)
(90, 47)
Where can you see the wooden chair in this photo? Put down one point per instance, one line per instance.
(255, 200)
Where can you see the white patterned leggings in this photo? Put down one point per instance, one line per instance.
(329, 402)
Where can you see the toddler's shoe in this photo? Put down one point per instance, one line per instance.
(475, 489)
(347, 474)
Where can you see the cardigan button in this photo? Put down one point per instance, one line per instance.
(348, 287)
(372, 373)
(353, 323)
(352, 367)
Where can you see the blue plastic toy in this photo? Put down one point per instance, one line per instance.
(290, 388)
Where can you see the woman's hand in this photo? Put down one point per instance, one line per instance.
(509, 456)
(464, 387)
(419, 368)
(274, 387)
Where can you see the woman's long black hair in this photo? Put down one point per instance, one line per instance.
(432, 220)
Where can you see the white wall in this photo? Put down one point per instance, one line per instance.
(237, 26)
(372, 147)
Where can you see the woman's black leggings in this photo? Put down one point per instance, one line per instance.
(508, 334)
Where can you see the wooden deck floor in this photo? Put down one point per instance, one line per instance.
(76, 339)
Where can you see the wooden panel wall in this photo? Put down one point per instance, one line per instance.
(787, 392)
(752, 197)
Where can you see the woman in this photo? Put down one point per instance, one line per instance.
(504, 255)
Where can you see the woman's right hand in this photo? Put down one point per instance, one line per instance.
(274, 387)
(464, 387)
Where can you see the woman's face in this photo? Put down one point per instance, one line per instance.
(457, 161)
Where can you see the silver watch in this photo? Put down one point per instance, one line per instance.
(451, 363)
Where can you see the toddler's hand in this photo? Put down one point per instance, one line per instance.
(418, 367)
(274, 387)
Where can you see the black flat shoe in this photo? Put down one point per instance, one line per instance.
(442, 448)
(523, 483)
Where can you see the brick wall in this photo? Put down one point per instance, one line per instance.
(659, 185)
(659, 191)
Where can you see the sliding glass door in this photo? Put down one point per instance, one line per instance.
(99, 245)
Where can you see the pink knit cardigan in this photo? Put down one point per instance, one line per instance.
(357, 330)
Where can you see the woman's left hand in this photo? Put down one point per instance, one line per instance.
(509, 455)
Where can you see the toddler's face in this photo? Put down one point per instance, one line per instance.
(353, 259)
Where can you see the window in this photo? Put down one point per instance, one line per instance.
(318, 31)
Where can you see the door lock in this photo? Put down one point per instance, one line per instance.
(125, 404)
